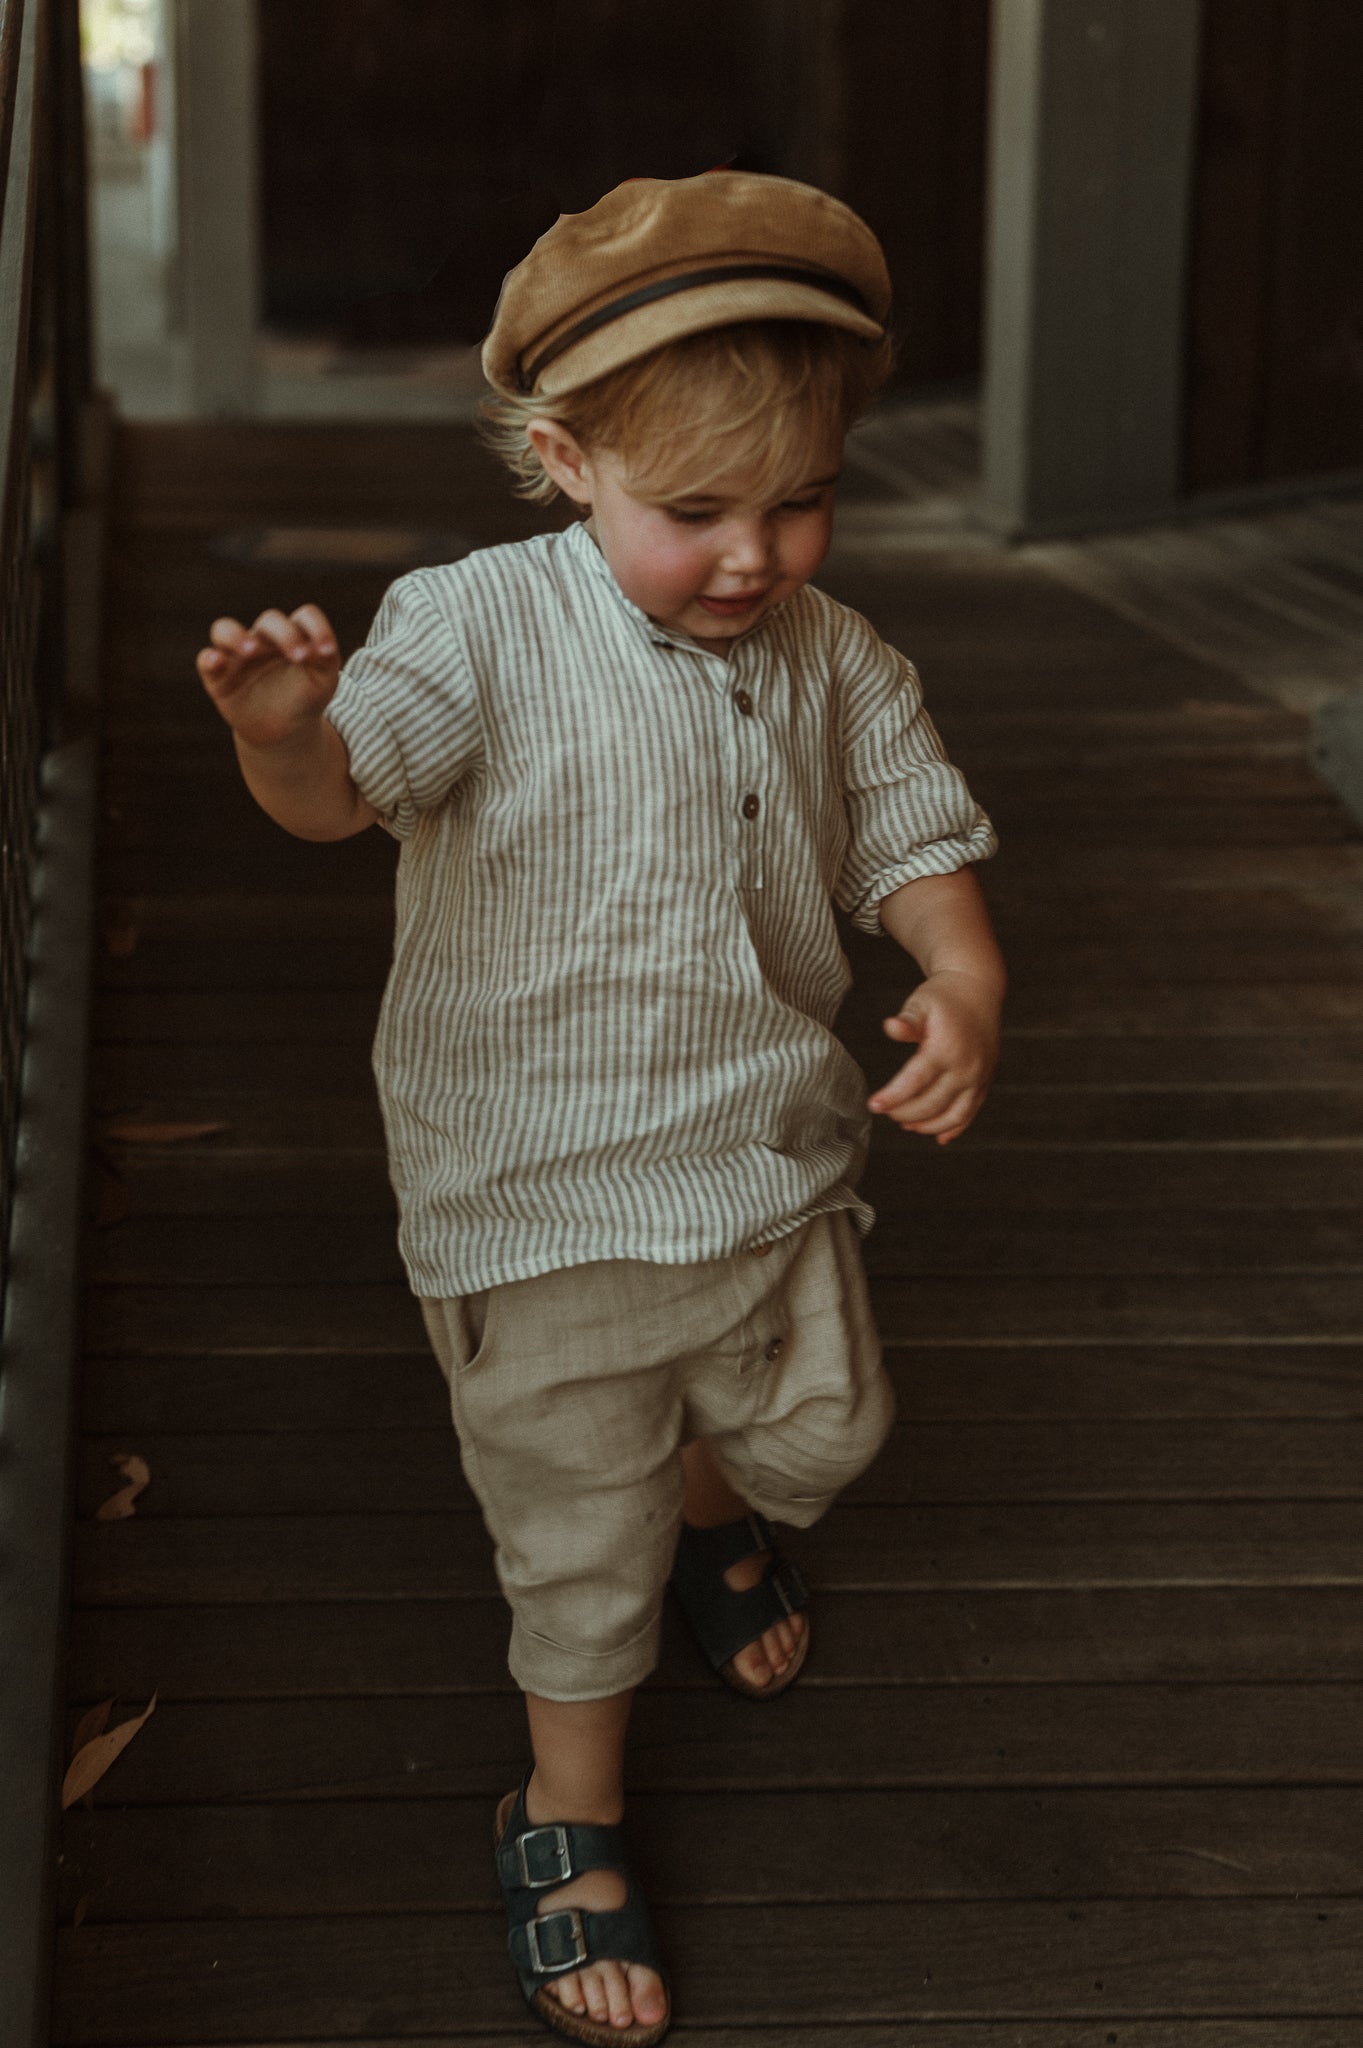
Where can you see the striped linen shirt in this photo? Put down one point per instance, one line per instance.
(607, 1028)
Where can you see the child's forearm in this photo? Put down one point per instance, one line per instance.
(942, 921)
(304, 784)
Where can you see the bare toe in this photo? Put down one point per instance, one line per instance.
(594, 1990)
(646, 1989)
(617, 1994)
(752, 1665)
(568, 1991)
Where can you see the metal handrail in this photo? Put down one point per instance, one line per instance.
(45, 375)
(53, 465)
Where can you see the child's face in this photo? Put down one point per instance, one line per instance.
(707, 566)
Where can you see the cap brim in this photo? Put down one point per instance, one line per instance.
(634, 334)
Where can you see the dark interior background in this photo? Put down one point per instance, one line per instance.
(462, 129)
(1275, 363)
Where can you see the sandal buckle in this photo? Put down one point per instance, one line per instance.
(555, 1840)
(542, 1922)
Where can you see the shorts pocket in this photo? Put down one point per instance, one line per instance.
(460, 1329)
(480, 1316)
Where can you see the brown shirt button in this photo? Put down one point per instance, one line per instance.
(751, 805)
(774, 1349)
(744, 702)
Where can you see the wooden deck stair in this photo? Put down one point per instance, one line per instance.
(1077, 1758)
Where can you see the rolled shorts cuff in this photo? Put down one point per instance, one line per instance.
(797, 1511)
(555, 1672)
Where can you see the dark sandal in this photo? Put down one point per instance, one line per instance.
(531, 1860)
(724, 1622)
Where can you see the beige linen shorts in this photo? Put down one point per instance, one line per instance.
(574, 1391)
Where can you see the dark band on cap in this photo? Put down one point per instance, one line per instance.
(787, 273)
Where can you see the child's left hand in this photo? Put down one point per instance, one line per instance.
(953, 1017)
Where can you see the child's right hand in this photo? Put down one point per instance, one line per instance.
(273, 678)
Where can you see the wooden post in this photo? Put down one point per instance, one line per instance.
(800, 45)
(1091, 125)
(215, 127)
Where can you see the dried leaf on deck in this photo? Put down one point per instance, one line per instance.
(161, 1134)
(82, 1908)
(92, 1722)
(119, 1506)
(93, 1759)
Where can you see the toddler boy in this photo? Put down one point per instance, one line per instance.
(631, 766)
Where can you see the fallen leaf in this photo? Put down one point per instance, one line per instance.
(93, 1759)
(119, 1506)
(161, 1134)
(92, 1722)
(82, 1908)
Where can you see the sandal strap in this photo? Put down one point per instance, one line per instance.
(548, 1944)
(724, 1621)
(534, 1858)
(530, 1860)
(729, 1543)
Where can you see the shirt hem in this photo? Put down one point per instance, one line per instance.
(431, 1283)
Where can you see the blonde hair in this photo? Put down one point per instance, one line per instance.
(750, 400)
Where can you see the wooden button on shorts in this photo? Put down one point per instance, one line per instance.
(574, 1391)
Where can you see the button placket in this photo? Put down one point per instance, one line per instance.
(751, 759)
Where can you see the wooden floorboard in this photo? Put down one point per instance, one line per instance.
(1075, 1760)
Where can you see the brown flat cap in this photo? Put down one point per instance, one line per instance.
(661, 257)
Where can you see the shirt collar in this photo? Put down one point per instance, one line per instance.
(588, 551)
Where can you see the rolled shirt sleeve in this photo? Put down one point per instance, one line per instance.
(909, 811)
(407, 709)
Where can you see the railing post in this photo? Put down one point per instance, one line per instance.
(53, 483)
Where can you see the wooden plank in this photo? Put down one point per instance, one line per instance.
(212, 959)
(1095, 1241)
(1176, 1305)
(1186, 2033)
(1035, 1117)
(1110, 1635)
(1061, 1307)
(1122, 1006)
(1155, 1116)
(202, 475)
(1216, 1957)
(158, 791)
(248, 1250)
(285, 1391)
(225, 1559)
(194, 1862)
(834, 1737)
(363, 865)
(154, 712)
(907, 1179)
(1021, 904)
(150, 708)
(1217, 958)
(330, 1072)
(356, 1471)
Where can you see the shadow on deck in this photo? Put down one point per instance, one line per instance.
(1076, 1759)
